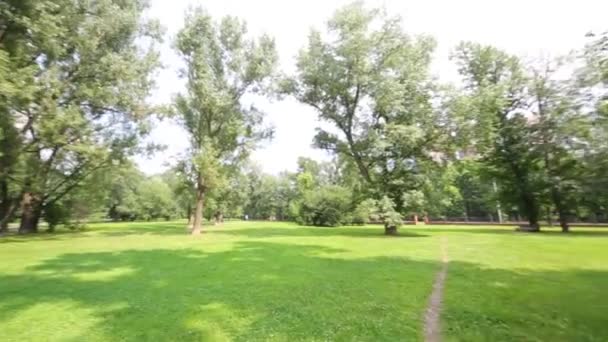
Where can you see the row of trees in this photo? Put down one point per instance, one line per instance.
(527, 135)
(514, 138)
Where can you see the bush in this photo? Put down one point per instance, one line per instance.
(328, 206)
(55, 214)
(388, 215)
(364, 212)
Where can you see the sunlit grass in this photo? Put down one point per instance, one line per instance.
(278, 281)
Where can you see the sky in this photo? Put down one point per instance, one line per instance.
(528, 28)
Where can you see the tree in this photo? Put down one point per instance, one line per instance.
(389, 216)
(592, 97)
(497, 101)
(370, 80)
(414, 203)
(325, 206)
(222, 65)
(91, 75)
(156, 200)
(561, 131)
(364, 211)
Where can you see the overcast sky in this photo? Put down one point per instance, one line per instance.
(525, 27)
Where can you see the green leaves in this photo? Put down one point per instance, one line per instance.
(83, 71)
(222, 65)
(369, 79)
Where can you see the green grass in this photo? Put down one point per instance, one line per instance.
(276, 281)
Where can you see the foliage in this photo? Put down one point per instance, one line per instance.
(414, 202)
(388, 214)
(369, 79)
(222, 65)
(325, 206)
(364, 212)
(84, 70)
(496, 93)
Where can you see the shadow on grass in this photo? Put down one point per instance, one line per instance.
(575, 232)
(253, 291)
(353, 231)
(14, 237)
(260, 291)
(259, 230)
(103, 229)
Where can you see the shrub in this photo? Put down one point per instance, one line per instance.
(55, 214)
(327, 206)
(389, 216)
(364, 212)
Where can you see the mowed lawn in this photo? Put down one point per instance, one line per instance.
(266, 281)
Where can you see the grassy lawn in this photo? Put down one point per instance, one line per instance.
(276, 281)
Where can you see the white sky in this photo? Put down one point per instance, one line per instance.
(525, 27)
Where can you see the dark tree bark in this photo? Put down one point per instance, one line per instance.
(198, 211)
(7, 206)
(189, 213)
(219, 217)
(390, 230)
(561, 210)
(31, 210)
(531, 209)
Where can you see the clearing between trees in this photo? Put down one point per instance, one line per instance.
(279, 281)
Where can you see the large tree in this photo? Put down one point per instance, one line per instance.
(370, 80)
(561, 133)
(92, 65)
(496, 115)
(593, 98)
(222, 66)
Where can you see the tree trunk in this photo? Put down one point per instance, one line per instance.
(6, 215)
(549, 219)
(561, 210)
(189, 215)
(198, 210)
(7, 206)
(31, 209)
(415, 219)
(390, 230)
(532, 211)
(219, 218)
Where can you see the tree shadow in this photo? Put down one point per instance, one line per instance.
(141, 228)
(308, 231)
(260, 291)
(592, 232)
(253, 291)
(14, 237)
(103, 229)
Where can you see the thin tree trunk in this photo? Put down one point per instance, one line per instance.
(31, 209)
(549, 219)
(532, 211)
(498, 208)
(198, 211)
(190, 215)
(7, 206)
(6, 215)
(561, 210)
(415, 219)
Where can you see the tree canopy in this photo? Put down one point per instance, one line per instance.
(514, 139)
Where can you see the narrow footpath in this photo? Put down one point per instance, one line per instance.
(432, 324)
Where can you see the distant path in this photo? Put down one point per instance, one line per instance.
(432, 326)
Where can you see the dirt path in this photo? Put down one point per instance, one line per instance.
(432, 327)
